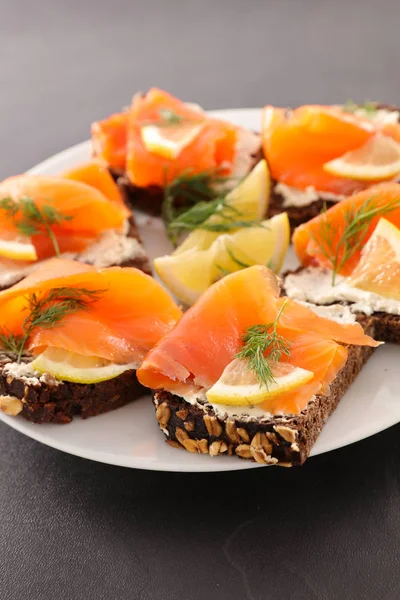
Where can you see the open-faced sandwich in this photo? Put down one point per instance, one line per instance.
(72, 337)
(78, 215)
(351, 255)
(319, 155)
(162, 150)
(249, 373)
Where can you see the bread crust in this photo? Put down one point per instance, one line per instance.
(52, 401)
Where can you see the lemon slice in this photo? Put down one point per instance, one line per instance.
(77, 368)
(188, 274)
(18, 250)
(378, 269)
(377, 160)
(250, 198)
(169, 141)
(239, 386)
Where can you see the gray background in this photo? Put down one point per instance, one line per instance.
(72, 529)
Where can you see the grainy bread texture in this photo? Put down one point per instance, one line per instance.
(47, 400)
(283, 441)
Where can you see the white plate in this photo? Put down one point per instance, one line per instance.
(130, 436)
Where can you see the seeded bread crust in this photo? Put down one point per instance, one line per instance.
(386, 327)
(150, 199)
(283, 441)
(51, 401)
(301, 214)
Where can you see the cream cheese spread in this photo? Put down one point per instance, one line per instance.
(248, 144)
(27, 373)
(299, 198)
(314, 285)
(381, 116)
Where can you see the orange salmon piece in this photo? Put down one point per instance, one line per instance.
(298, 143)
(132, 313)
(95, 174)
(212, 147)
(209, 335)
(308, 237)
(109, 140)
(91, 212)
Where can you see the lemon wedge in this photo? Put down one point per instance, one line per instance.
(169, 141)
(266, 245)
(78, 368)
(377, 160)
(250, 198)
(188, 274)
(239, 386)
(378, 269)
(18, 250)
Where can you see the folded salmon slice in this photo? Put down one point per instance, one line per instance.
(298, 143)
(131, 314)
(109, 140)
(212, 148)
(207, 338)
(95, 174)
(309, 239)
(87, 209)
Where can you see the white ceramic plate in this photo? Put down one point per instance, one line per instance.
(130, 436)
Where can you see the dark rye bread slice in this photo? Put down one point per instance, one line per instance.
(386, 327)
(283, 441)
(47, 400)
(301, 214)
(140, 261)
(150, 199)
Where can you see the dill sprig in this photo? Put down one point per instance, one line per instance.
(169, 118)
(188, 190)
(31, 220)
(357, 219)
(260, 339)
(197, 217)
(370, 107)
(47, 311)
(240, 263)
(10, 342)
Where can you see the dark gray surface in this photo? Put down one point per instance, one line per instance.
(72, 529)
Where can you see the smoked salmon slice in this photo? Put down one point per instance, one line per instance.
(212, 148)
(109, 140)
(298, 143)
(95, 174)
(194, 354)
(132, 311)
(310, 239)
(85, 210)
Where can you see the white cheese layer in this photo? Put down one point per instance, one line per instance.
(111, 248)
(27, 373)
(315, 285)
(295, 197)
(382, 116)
